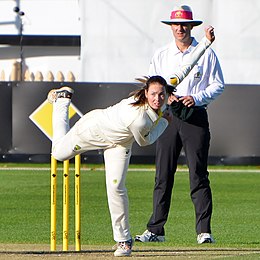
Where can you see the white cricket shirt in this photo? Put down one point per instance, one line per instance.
(121, 124)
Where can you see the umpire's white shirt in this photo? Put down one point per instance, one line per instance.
(205, 81)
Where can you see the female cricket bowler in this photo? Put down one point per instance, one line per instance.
(142, 117)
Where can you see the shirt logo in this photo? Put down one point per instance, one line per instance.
(197, 75)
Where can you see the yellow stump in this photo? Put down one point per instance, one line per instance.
(77, 203)
(66, 205)
(53, 202)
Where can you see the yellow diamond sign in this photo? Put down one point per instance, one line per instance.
(42, 117)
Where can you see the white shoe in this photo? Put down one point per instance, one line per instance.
(148, 236)
(63, 92)
(123, 248)
(205, 238)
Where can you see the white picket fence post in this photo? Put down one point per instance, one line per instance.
(15, 75)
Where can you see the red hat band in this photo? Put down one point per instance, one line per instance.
(181, 14)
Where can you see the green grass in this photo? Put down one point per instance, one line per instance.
(25, 207)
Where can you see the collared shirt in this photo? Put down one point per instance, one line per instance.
(205, 81)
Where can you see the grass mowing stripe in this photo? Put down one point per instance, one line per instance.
(25, 208)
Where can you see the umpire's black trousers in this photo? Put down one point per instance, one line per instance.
(194, 136)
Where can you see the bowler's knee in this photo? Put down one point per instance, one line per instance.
(59, 154)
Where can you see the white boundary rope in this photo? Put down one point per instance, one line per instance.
(130, 169)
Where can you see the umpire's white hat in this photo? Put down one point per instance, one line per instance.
(182, 14)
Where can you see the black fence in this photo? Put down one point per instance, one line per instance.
(234, 122)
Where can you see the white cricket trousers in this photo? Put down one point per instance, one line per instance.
(116, 159)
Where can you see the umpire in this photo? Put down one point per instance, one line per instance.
(189, 129)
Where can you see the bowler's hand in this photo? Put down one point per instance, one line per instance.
(187, 101)
(209, 32)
